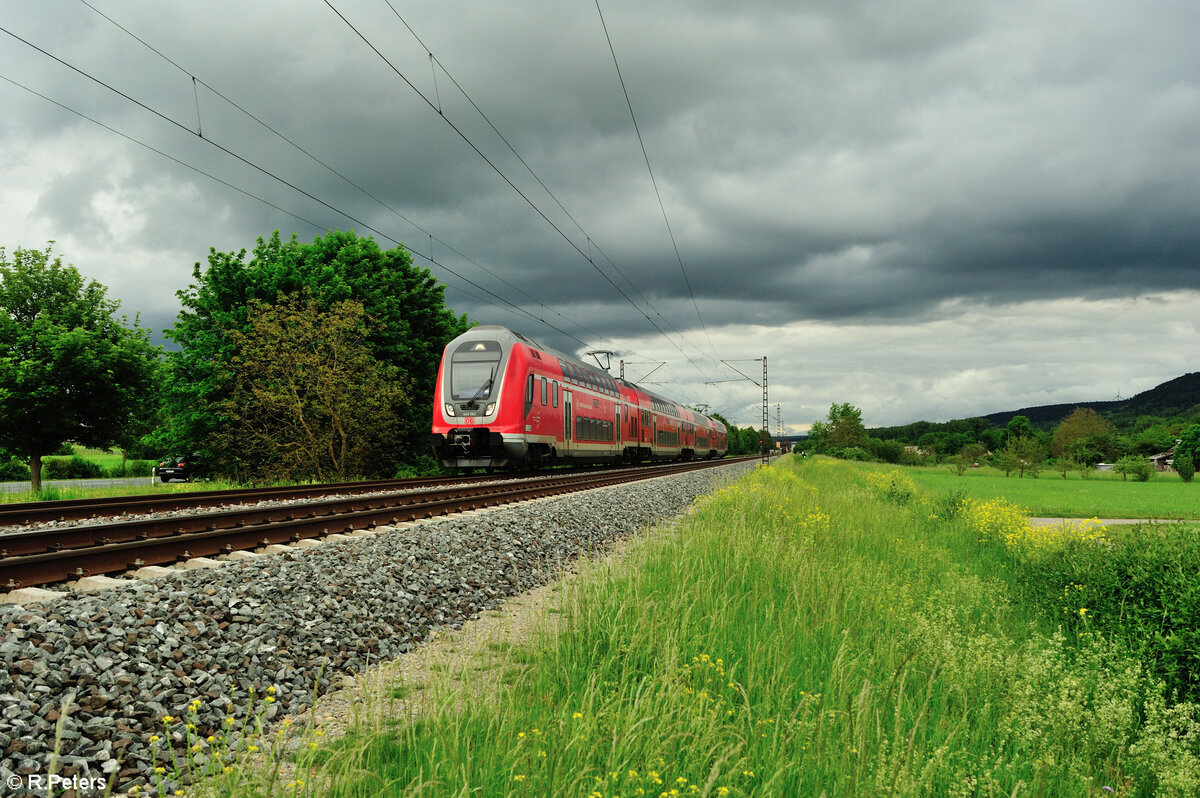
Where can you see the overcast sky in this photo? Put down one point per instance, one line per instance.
(930, 210)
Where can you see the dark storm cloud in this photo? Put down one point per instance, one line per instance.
(851, 163)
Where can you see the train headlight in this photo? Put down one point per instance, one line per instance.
(490, 409)
(449, 409)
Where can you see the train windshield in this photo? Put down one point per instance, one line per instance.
(473, 370)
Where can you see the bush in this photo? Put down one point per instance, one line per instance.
(1141, 589)
(425, 465)
(14, 471)
(1134, 465)
(64, 450)
(133, 468)
(1185, 467)
(73, 467)
(889, 451)
(895, 485)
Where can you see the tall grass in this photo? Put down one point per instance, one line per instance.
(807, 631)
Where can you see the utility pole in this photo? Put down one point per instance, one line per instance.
(762, 435)
(762, 444)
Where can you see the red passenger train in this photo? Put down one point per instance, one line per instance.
(505, 401)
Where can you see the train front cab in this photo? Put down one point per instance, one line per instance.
(472, 424)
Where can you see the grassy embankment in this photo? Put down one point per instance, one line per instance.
(818, 628)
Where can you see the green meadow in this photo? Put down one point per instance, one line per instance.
(1100, 494)
(820, 628)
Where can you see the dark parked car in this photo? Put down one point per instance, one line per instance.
(179, 468)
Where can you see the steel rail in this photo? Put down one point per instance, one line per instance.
(119, 546)
(19, 513)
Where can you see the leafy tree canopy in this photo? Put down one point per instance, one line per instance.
(1018, 427)
(309, 401)
(407, 327)
(1084, 422)
(1188, 448)
(70, 370)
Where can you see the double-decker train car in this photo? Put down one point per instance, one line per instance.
(506, 401)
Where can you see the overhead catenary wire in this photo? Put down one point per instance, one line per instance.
(251, 195)
(483, 115)
(425, 233)
(437, 105)
(641, 142)
(458, 131)
(200, 133)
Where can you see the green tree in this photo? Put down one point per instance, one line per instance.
(889, 451)
(1018, 427)
(409, 326)
(1136, 465)
(1188, 451)
(968, 457)
(308, 399)
(846, 426)
(1023, 455)
(1083, 423)
(1188, 446)
(70, 370)
(1185, 466)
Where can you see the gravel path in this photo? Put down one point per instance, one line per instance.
(1036, 522)
(130, 656)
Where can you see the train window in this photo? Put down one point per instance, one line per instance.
(556, 393)
(473, 367)
(528, 393)
(545, 387)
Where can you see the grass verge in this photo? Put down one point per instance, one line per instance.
(810, 630)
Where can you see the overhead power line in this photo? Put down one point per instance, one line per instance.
(262, 170)
(591, 242)
(653, 181)
(434, 106)
(426, 234)
(199, 133)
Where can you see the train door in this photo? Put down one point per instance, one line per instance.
(619, 430)
(568, 417)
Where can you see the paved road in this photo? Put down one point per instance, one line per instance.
(1103, 521)
(18, 487)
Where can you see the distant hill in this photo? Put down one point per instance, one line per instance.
(1175, 397)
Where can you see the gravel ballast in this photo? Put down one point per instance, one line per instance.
(292, 622)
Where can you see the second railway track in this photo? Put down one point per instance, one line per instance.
(47, 556)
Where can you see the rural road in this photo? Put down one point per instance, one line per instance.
(1104, 521)
(106, 482)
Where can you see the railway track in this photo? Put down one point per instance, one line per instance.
(48, 556)
(77, 509)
